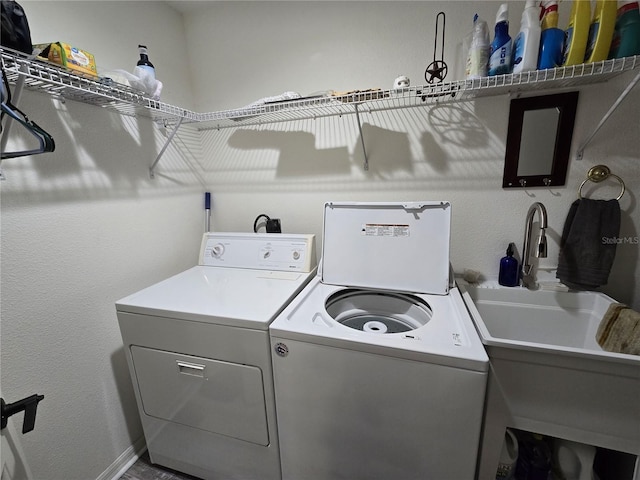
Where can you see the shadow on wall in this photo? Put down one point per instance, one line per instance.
(444, 146)
(438, 131)
(298, 156)
(454, 125)
(388, 151)
(14, 464)
(99, 154)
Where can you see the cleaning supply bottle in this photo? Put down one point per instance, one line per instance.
(551, 38)
(601, 31)
(479, 50)
(626, 36)
(526, 46)
(577, 32)
(509, 274)
(144, 67)
(500, 58)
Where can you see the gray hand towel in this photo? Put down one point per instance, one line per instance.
(588, 244)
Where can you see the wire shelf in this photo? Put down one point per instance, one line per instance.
(377, 100)
(57, 81)
(40, 75)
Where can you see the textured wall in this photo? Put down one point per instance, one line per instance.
(82, 227)
(453, 152)
(85, 225)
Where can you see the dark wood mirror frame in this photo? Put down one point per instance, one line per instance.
(566, 105)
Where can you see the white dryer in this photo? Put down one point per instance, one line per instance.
(379, 372)
(197, 345)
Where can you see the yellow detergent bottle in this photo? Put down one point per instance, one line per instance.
(601, 31)
(577, 32)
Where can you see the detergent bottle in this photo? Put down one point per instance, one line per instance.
(577, 32)
(527, 43)
(500, 58)
(601, 31)
(551, 37)
(479, 50)
(626, 36)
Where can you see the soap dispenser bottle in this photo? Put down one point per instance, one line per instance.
(509, 275)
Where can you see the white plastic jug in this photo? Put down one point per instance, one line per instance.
(508, 457)
(575, 460)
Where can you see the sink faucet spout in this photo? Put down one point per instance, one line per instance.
(528, 277)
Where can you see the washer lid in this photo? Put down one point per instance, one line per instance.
(401, 246)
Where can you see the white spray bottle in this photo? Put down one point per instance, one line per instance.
(527, 43)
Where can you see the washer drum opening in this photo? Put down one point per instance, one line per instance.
(378, 312)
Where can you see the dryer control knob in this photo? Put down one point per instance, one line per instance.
(296, 255)
(217, 250)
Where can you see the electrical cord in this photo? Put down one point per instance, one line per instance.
(255, 223)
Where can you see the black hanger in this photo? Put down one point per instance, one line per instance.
(46, 143)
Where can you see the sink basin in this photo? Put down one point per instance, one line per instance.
(540, 320)
(549, 375)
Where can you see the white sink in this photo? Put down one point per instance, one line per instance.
(540, 320)
(549, 375)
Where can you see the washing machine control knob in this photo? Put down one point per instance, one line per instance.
(281, 349)
(217, 250)
(296, 255)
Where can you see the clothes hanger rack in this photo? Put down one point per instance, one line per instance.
(45, 140)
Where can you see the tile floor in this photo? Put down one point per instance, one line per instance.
(143, 469)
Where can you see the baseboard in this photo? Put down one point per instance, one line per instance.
(124, 461)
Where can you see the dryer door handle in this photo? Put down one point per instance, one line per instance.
(192, 369)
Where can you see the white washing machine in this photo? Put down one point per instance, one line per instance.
(379, 372)
(197, 345)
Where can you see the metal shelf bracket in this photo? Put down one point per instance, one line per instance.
(152, 174)
(616, 104)
(364, 150)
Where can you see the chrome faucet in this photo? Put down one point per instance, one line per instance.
(528, 275)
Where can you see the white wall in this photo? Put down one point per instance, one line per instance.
(81, 228)
(453, 151)
(84, 226)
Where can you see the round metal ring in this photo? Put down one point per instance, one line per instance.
(599, 173)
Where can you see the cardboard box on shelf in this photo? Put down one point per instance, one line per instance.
(70, 57)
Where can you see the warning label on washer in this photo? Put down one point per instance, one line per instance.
(385, 230)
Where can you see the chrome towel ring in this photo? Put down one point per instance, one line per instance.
(599, 173)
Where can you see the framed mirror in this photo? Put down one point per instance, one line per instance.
(539, 140)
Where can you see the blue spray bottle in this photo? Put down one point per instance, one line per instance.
(500, 58)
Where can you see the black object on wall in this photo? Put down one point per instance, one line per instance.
(29, 405)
